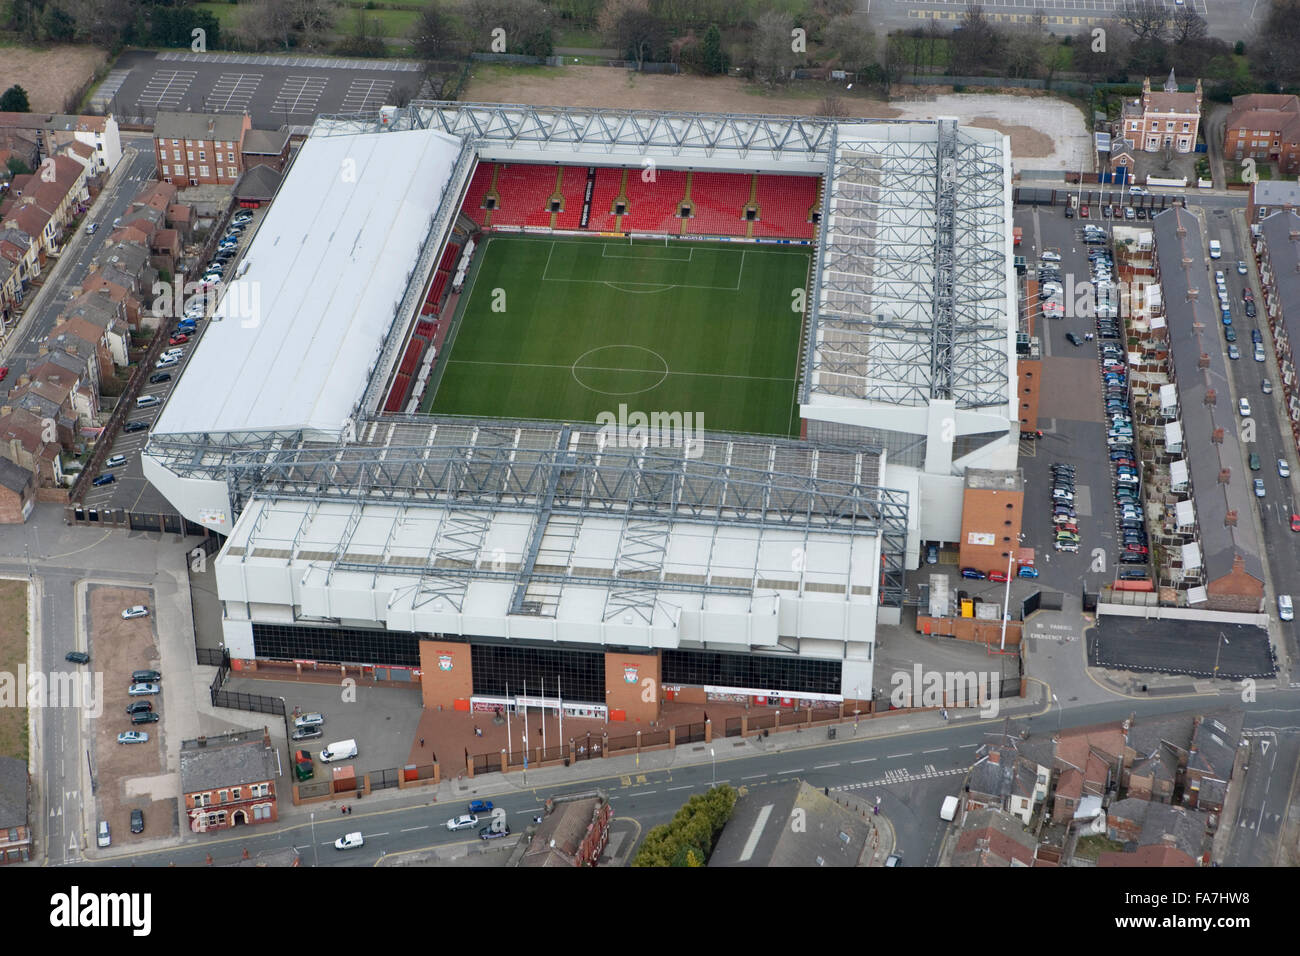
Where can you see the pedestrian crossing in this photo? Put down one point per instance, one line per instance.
(903, 775)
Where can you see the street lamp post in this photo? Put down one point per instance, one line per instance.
(714, 761)
(1056, 700)
(315, 850)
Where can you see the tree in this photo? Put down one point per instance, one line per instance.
(436, 34)
(713, 55)
(851, 42)
(311, 20)
(1188, 26)
(978, 45)
(770, 49)
(1273, 59)
(1147, 19)
(14, 100)
(58, 25)
(832, 106)
(633, 28)
(527, 26)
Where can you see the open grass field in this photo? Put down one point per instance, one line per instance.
(564, 329)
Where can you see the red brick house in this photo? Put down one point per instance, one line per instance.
(1167, 118)
(199, 149)
(229, 781)
(17, 498)
(1264, 126)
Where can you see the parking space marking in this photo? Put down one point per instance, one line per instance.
(232, 92)
(299, 94)
(365, 94)
(165, 89)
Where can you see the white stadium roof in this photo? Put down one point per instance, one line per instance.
(292, 343)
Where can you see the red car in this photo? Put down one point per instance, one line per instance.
(1083, 211)
(1000, 576)
(178, 339)
(4, 370)
(1295, 522)
(1136, 549)
(1068, 526)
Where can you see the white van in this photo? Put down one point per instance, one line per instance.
(103, 837)
(1216, 250)
(144, 401)
(339, 750)
(949, 809)
(1284, 609)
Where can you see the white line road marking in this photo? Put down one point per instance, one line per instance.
(795, 770)
(937, 750)
(825, 766)
(671, 789)
(598, 368)
(967, 746)
(413, 829)
(754, 776)
(896, 756)
(642, 793)
(863, 760)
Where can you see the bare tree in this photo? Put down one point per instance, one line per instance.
(633, 28)
(851, 41)
(312, 19)
(1148, 19)
(1188, 26)
(978, 44)
(832, 106)
(771, 49)
(265, 23)
(436, 34)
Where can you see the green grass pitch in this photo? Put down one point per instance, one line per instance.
(564, 329)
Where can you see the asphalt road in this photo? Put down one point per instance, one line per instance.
(910, 770)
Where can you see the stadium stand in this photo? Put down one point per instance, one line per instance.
(784, 204)
(479, 185)
(524, 190)
(609, 185)
(718, 201)
(573, 187)
(653, 207)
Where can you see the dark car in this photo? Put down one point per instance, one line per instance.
(1229, 334)
(1073, 339)
(1132, 574)
(159, 377)
(135, 427)
(77, 657)
(491, 833)
(145, 717)
(139, 707)
(1069, 212)
(102, 480)
(145, 677)
(1250, 310)
(973, 574)
(480, 806)
(1132, 557)
(308, 732)
(137, 821)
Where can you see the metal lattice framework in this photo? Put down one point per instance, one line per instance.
(472, 469)
(911, 298)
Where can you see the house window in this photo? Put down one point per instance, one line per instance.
(224, 795)
(203, 156)
(1169, 127)
(262, 812)
(202, 799)
(190, 155)
(233, 172)
(203, 171)
(176, 142)
(1186, 127)
(220, 158)
(235, 793)
(165, 171)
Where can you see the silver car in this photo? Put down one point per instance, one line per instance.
(462, 822)
(143, 690)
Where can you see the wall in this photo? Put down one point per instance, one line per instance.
(969, 629)
(447, 674)
(1028, 374)
(1182, 614)
(643, 670)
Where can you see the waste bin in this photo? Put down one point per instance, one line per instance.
(830, 733)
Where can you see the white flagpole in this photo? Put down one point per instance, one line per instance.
(560, 694)
(510, 747)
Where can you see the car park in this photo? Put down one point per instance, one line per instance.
(309, 720)
(309, 732)
(1141, 212)
(146, 676)
(167, 361)
(1129, 212)
(1066, 547)
(143, 690)
(139, 707)
(134, 611)
(77, 657)
(144, 401)
(179, 338)
(463, 822)
(1132, 557)
(1083, 211)
(133, 737)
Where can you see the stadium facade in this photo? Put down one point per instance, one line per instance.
(747, 566)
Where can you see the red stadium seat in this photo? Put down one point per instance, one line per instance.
(783, 206)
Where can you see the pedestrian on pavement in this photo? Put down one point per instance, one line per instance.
(943, 712)
(421, 741)
(875, 811)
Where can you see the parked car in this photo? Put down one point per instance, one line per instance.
(1258, 485)
(1027, 572)
(178, 339)
(77, 657)
(999, 576)
(145, 401)
(134, 611)
(103, 836)
(143, 690)
(146, 676)
(133, 737)
(1243, 407)
(308, 720)
(157, 378)
(137, 821)
(972, 574)
(1283, 468)
(139, 707)
(1233, 352)
(1229, 334)
(493, 833)
(115, 461)
(932, 554)
(1073, 339)
(147, 717)
(480, 806)
(100, 480)
(1069, 212)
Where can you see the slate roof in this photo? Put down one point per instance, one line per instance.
(15, 478)
(229, 760)
(993, 838)
(759, 831)
(13, 791)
